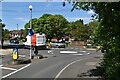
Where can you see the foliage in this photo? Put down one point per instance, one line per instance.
(78, 31)
(56, 26)
(51, 25)
(107, 34)
(5, 34)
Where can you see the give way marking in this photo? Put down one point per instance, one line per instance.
(16, 71)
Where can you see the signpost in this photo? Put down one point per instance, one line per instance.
(30, 7)
(30, 32)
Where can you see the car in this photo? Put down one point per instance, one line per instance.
(14, 41)
(57, 44)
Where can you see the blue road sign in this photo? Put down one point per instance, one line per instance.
(30, 32)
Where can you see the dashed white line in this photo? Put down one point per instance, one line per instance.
(16, 71)
(8, 68)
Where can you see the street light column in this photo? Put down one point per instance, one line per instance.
(30, 7)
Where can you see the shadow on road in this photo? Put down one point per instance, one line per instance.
(92, 73)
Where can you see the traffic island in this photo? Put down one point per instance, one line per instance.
(39, 56)
(22, 61)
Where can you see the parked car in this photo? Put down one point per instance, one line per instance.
(14, 41)
(57, 44)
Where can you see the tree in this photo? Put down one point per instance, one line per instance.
(5, 33)
(107, 34)
(51, 25)
(2, 25)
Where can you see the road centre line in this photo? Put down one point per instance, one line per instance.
(16, 71)
(67, 67)
(8, 68)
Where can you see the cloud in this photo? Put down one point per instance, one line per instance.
(22, 19)
(91, 12)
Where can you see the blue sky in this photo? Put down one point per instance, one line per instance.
(14, 13)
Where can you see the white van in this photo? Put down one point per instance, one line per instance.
(38, 40)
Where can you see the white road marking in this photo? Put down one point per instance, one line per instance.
(8, 68)
(77, 54)
(16, 71)
(50, 52)
(88, 53)
(70, 52)
(22, 55)
(67, 67)
(83, 51)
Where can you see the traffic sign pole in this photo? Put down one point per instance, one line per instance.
(30, 28)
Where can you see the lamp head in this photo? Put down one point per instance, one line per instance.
(30, 7)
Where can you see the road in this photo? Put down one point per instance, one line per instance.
(58, 64)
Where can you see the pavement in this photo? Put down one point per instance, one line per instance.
(5, 51)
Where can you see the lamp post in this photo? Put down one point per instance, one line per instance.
(30, 7)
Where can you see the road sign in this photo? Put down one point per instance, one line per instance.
(30, 32)
(15, 53)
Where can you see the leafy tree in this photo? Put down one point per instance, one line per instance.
(51, 25)
(5, 33)
(80, 31)
(107, 34)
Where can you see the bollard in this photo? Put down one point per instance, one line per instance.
(15, 54)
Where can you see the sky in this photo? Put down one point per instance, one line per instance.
(14, 13)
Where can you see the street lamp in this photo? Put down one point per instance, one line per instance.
(30, 7)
